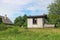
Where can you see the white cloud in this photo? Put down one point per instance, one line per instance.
(6, 1)
(40, 4)
(18, 2)
(13, 7)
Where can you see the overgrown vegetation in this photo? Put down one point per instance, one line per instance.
(8, 32)
(2, 26)
(30, 34)
(54, 13)
(21, 21)
(0, 20)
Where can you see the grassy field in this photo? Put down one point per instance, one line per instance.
(30, 34)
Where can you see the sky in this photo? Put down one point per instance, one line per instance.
(15, 8)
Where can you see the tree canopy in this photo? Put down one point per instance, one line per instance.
(21, 21)
(54, 12)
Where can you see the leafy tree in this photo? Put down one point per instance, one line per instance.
(18, 21)
(25, 20)
(54, 12)
(21, 21)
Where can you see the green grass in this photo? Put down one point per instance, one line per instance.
(30, 34)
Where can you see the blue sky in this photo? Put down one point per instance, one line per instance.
(15, 8)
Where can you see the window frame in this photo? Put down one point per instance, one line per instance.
(34, 20)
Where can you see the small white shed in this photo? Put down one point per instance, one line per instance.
(35, 21)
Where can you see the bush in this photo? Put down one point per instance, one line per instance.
(21, 21)
(3, 27)
(13, 30)
(58, 25)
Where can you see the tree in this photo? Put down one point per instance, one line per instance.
(21, 21)
(25, 20)
(18, 21)
(54, 12)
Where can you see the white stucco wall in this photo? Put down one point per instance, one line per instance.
(49, 25)
(38, 25)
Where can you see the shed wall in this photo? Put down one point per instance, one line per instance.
(38, 25)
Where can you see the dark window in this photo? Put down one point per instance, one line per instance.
(34, 20)
(0, 20)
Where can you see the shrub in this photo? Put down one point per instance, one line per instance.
(58, 25)
(3, 26)
(13, 30)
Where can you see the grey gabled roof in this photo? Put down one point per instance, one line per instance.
(6, 21)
